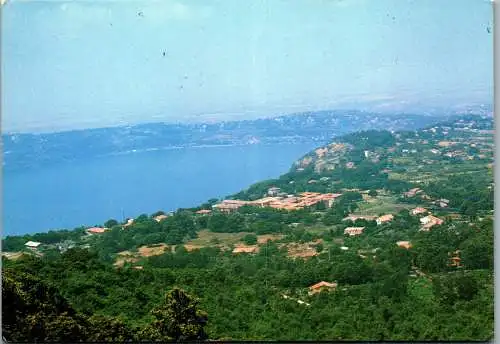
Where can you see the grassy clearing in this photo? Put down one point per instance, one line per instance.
(421, 288)
(404, 161)
(207, 238)
(382, 204)
(319, 229)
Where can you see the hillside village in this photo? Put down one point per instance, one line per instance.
(471, 144)
(340, 211)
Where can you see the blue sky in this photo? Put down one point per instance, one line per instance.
(77, 64)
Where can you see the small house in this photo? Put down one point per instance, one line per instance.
(384, 218)
(32, 245)
(455, 259)
(418, 210)
(246, 249)
(412, 192)
(273, 191)
(204, 212)
(321, 286)
(159, 218)
(443, 203)
(430, 221)
(129, 223)
(404, 244)
(352, 231)
(96, 230)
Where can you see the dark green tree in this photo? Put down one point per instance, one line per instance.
(110, 223)
(35, 312)
(372, 193)
(178, 318)
(107, 329)
(250, 239)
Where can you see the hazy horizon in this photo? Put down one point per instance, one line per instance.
(89, 64)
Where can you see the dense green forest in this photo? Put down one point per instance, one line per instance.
(115, 286)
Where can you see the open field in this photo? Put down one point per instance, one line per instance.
(143, 251)
(155, 250)
(383, 204)
(12, 255)
(262, 239)
(207, 238)
(421, 287)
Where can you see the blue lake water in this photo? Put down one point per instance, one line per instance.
(68, 195)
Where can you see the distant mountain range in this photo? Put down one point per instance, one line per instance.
(24, 150)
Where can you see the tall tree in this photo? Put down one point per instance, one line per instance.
(33, 311)
(178, 318)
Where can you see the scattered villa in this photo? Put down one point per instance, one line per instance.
(455, 259)
(246, 249)
(352, 231)
(321, 286)
(96, 230)
(384, 219)
(418, 210)
(273, 191)
(32, 245)
(160, 217)
(412, 192)
(430, 221)
(129, 223)
(443, 203)
(404, 244)
(204, 212)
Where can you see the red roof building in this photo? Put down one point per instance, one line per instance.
(352, 231)
(320, 286)
(96, 230)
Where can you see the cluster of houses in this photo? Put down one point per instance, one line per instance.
(353, 231)
(443, 203)
(290, 202)
(457, 149)
(430, 221)
(427, 221)
(413, 192)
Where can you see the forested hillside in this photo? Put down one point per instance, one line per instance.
(400, 231)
